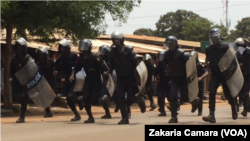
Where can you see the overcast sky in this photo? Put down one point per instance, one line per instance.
(149, 12)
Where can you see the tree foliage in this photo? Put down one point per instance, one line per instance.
(144, 31)
(172, 23)
(196, 29)
(242, 29)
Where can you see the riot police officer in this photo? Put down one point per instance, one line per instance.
(92, 65)
(201, 74)
(175, 63)
(124, 61)
(214, 53)
(104, 54)
(64, 63)
(46, 65)
(163, 80)
(150, 67)
(19, 60)
(243, 56)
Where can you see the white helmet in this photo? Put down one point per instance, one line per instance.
(239, 41)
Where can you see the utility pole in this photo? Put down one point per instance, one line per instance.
(225, 22)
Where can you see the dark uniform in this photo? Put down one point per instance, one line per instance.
(148, 85)
(19, 60)
(163, 88)
(64, 64)
(214, 53)
(244, 59)
(46, 66)
(175, 61)
(200, 72)
(104, 51)
(124, 63)
(92, 65)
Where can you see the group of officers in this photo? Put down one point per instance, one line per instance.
(170, 74)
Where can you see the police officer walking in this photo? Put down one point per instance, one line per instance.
(175, 63)
(64, 63)
(46, 65)
(124, 61)
(92, 65)
(201, 73)
(163, 81)
(17, 62)
(214, 54)
(148, 85)
(243, 56)
(105, 100)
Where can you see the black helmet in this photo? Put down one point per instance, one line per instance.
(64, 43)
(215, 36)
(170, 43)
(104, 50)
(85, 45)
(21, 45)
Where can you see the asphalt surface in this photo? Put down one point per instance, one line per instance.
(60, 128)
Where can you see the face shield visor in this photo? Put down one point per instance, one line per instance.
(169, 45)
(214, 38)
(84, 46)
(102, 51)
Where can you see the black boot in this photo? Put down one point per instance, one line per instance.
(234, 112)
(162, 114)
(195, 105)
(153, 106)
(124, 121)
(124, 113)
(141, 103)
(21, 119)
(91, 118)
(48, 113)
(200, 106)
(244, 113)
(173, 107)
(77, 116)
(105, 104)
(210, 118)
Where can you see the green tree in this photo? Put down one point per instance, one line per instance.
(144, 31)
(172, 23)
(44, 19)
(196, 29)
(242, 29)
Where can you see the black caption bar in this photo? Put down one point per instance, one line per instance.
(163, 132)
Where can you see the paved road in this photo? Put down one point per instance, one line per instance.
(61, 129)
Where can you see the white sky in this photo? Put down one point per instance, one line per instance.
(149, 12)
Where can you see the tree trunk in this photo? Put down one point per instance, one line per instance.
(8, 55)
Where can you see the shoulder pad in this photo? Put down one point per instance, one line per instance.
(127, 50)
(178, 53)
(248, 50)
(186, 56)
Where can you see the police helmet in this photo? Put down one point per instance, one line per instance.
(118, 35)
(240, 41)
(21, 45)
(170, 43)
(85, 45)
(104, 50)
(43, 50)
(215, 36)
